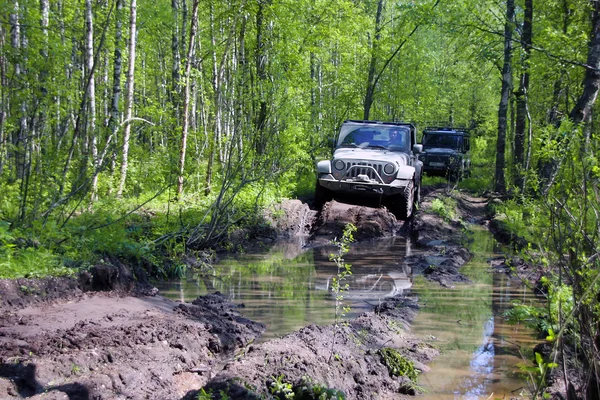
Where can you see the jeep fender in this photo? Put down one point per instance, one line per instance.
(405, 172)
(324, 167)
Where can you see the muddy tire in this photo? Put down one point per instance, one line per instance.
(322, 196)
(401, 205)
(417, 196)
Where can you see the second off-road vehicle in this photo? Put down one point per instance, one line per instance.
(373, 159)
(446, 152)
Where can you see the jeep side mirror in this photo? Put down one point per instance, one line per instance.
(417, 148)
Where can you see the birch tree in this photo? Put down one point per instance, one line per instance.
(129, 99)
(186, 100)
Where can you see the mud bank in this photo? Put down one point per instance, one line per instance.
(105, 336)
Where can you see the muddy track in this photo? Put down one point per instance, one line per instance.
(103, 336)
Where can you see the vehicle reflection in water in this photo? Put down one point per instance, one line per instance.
(287, 292)
(378, 271)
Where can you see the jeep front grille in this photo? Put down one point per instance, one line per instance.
(442, 159)
(372, 170)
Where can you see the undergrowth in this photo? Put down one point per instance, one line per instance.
(140, 233)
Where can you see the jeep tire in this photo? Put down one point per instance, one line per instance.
(401, 205)
(322, 196)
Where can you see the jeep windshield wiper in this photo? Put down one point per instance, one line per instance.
(348, 145)
(376, 146)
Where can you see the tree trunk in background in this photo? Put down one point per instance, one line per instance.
(371, 82)
(176, 54)
(91, 127)
(581, 112)
(15, 42)
(113, 121)
(129, 99)
(261, 76)
(3, 100)
(500, 182)
(521, 99)
(186, 100)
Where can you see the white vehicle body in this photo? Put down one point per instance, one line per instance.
(368, 162)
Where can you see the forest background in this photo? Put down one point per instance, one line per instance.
(149, 129)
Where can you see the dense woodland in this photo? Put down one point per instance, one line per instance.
(145, 129)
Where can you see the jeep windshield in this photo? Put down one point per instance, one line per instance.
(388, 137)
(443, 141)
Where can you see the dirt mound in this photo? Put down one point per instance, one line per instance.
(348, 360)
(370, 222)
(442, 238)
(109, 275)
(105, 346)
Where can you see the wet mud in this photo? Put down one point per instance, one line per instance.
(105, 336)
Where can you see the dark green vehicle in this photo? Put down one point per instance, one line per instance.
(446, 152)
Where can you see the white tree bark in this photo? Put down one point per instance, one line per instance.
(89, 64)
(186, 100)
(129, 95)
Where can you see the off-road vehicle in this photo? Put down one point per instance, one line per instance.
(373, 159)
(446, 152)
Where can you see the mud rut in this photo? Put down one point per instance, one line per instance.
(104, 336)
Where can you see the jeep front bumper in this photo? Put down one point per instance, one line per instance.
(363, 185)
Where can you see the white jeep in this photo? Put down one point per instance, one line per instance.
(373, 159)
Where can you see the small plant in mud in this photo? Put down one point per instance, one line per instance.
(280, 388)
(397, 364)
(204, 395)
(537, 373)
(309, 390)
(343, 270)
(75, 369)
(445, 207)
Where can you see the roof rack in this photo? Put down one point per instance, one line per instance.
(379, 122)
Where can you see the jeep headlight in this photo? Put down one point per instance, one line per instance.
(339, 165)
(389, 169)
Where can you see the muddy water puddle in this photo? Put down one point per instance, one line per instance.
(480, 352)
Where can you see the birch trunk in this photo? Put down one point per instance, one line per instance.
(89, 51)
(129, 94)
(186, 100)
(176, 53)
(116, 89)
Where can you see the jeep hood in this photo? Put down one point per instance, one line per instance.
(370, 155)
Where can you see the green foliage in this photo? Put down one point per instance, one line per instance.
(538, 372)
(397, 364)
(281, 389)
(343, 270)
(204, 395)
(530, 315)
(524, 218)
(445, 207)
(309, 390)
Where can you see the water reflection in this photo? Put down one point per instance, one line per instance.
(480, 351)
(378, 271)
(287, 292)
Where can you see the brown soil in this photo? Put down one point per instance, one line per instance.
(102, 336)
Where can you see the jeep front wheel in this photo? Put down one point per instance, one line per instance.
(322, 196)
(401, 205)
